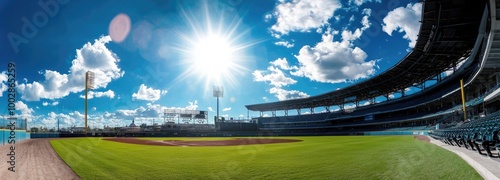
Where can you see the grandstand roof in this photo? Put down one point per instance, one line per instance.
(448, 32)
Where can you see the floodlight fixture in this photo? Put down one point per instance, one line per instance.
(218, 92)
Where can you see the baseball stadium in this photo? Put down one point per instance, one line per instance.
(447, 127)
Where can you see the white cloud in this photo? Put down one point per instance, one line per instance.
(267, 17)
(91, 94)
(193, 105)
(282, 63)
(65, 120)
(25, 110)
(148, 94)
(276, 77)
(55, 103)
(404, 19)
(94, 108)
(226, 109)
(336, 61)
(450, 71)
(210, 109)
(150, 111)
(364, 21)
(95, 57)
(75, 118)
(285, 44)
(49, 122)
(349, 36)
(3, 79)
(302, 15)
(351, 19)
(76, 114)
(319, 30)
(333, 62)
(361, 2)
(282, 94)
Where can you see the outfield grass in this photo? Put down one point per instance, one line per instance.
(337, 157)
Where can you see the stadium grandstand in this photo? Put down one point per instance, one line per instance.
(458, 46)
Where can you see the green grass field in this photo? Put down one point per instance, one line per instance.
(336, 157)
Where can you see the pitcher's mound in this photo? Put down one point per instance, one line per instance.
(228, 142)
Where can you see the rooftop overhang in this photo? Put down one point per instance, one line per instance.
(447, 35)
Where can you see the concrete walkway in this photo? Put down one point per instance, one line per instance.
(488, 168)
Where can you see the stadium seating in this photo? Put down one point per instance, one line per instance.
(497, 145)
(480, 135)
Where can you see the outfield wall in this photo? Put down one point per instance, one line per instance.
(45, 135)
(377, 133)
(20, 135)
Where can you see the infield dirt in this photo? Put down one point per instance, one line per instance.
(229, 142)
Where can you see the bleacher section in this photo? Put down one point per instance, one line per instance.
(396, 110)
(407, 120)
(480, 135)
(237, 126)
(392, 114)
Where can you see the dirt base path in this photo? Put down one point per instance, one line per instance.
(422, 138)
(229, 142)
(34, 159)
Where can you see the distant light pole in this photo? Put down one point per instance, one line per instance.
(218, 92)
(89, 84)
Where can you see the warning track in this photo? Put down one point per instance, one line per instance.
(35, 159)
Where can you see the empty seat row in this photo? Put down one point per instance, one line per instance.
(481, 135)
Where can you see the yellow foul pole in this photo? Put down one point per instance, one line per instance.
(463, 99)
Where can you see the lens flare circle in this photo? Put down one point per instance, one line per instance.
(119, 27)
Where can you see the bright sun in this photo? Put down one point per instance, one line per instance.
(213, 51)
(212, 56)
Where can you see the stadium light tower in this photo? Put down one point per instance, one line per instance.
(89, 84)
(218, 92)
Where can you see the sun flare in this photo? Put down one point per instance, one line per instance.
(213, 51)
(212, 56)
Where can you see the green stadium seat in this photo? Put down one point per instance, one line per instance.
(480, 141)
(469, 138)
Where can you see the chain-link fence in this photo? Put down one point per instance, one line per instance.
(7, 123)
(13, 130)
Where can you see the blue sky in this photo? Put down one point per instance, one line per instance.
(155, 55)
